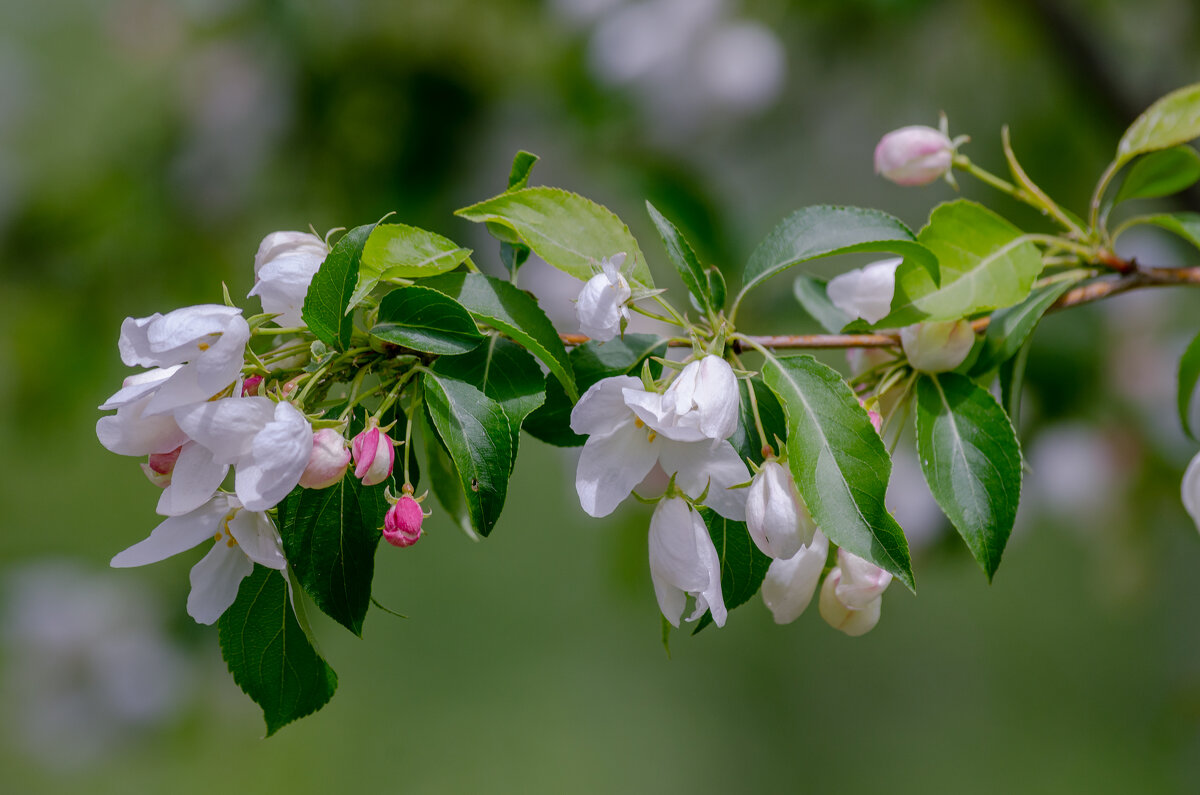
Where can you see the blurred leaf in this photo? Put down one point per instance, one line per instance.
(971, 460)
(986, 263)
(269, 654)
(333, 284)
(568, 231)
(1161, 174)
(680, 252)
(397, 251)
(478, 436)
(1173, 119)
(839, 462)
(745, 438)
(514, 312)
(329, 538)
(1189, 372)
(426, 320)
(743, 565)
(1185, 225)
(812, 295)
(823, 231)
(1012, 382)
(1010, 327)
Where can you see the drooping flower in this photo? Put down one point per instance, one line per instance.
(865, 292)
(790, 583)
(914, 155)
(601, 304)
(402, 522)
(776, 516)
(938, 346)
(628, 433)
(242, 538)
(705, 396)
(852, 595)
(328, 461)
(283, 270)
(684, 562)
(374, 455)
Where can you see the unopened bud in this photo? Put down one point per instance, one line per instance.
(937, 347)
(776, 516)
(852, 595)
(373, 456)
(402, 522)
(160, 466)
(914, 155)
(328, 461)
(251, 386)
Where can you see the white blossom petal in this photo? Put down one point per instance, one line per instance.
(776, 516)
(861, 580)
(684, 560)
(277, 458)
(131, 432)
(865, 292)
(195, 479)
(215, 580)
(228, 426)
(653, 411)
(138, 386)
(174, 535)
(1191, 490)
(712, 465)
(602, 407)
(705, 396)
(853, 622)
(258, 539)
(611, 465)
(790, 584)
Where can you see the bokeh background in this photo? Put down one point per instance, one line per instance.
(146, 147)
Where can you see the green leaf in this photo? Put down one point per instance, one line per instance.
(328, 299)
(566, 230)
(426, 320)
(478, 436)
(268, 653)
(823, 231)
(743, 565)
(838, 461)
(1172, 120)
(1185, 225)
(506, 373)
(329, 538)
(1012, 382)
(684, 259)
(716, 286)
(591, 362)
(986, 263)
(1161, 174)
(512, 253)
(444, 480)
(812, 295)
(1010, 327)
(971, 460)
(397, 251)
(514, 312)
(1189, 372)
(746, 439)
(522, 166)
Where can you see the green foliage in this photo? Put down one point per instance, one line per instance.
(680, 252)
(971, 460)
(811, 293)
(325, 306)
(746, 439)
(397, 251)
(1172, 120)
(1185, 225)
(743, 565)
(423, 319)
(513, 254)
(445, 482)
(1010, 327)
(566, 230)
(985, 263)
(1161, 174)
(269, 654)
(1189, 373)
(329, 537)
(839, 462)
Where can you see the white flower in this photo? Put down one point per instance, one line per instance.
(865, 292)
(683, 561)
(852, 595)
(705, 396)
(915, 155)
(776, 516)
(283, 269)
(208, 340)
(1191, 490)
(939, 346)
(268, 444)
(601, 303)
(243, 538)
(627, 435)
(789, 585)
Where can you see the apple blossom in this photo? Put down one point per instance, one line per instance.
(914, 155)
(402, 522)
(790, 583)
(374, 455)
(852, 595)
(601, 303)
(131, 431)
(328, 461)
(938, 346)
(243, 538)
(865, 292)
(683, 562)
(705, 396)
(776, 516)
(283, 269)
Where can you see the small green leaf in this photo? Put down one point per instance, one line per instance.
(511, 311)
(716, 286)
(1010, 327)
(985, 262)
(971, 460)
(522, 166)
(1161, 174)
(746, 439)
(591, 362)
(478, 436)
(329, 537)
(743, 565)
(444, 481)
(1185, 225)
(839, 462)
(680, 252)
(397, 251)
(1189, 372)
(823, 231)
(568, 231)
(426, 320)
(268, 653)
(326, 305)
(506, 373)
(1172, 120)
(812, 295)
(1012, 382)
(513, 254)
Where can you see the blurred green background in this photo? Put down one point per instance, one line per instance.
(146, 147)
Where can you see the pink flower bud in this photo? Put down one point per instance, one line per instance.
(402, 522)
(251, 385)
(328, 461)
(913, 155)
(159, 466)
(373, 456)
(290, 386)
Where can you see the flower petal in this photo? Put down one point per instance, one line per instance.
(1191, 490)
(865, 292)
(227, 426)
(790, 584)
(712, 465)
(602, 408)
(215, 580)
(139, 385)
(278, 456)
(175, 534)
(195, 478)
(258, 538)
(610, 466)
